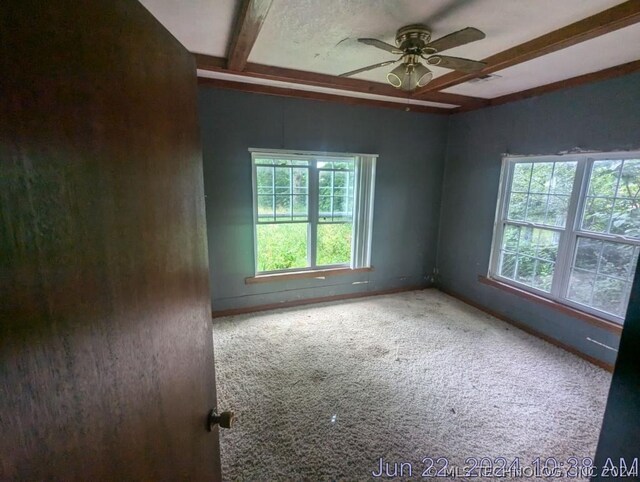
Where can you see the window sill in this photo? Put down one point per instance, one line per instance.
(567, 310)
(317, 273)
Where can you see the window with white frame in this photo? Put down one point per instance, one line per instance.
(568, 228)
(312, 211)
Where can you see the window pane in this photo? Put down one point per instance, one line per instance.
(540, 192)
(300, 181)
(324, 208)
(538, 243)
(630, 181)
(334, 244)
(346, 164)
(588, 253)
(264, 161)
(626, 218)
(543, 275)
(324, 182)
(340, 179)
(541, 177)
(604, 178)
(536, 208)
(517, 207)
(557, 211)
(528, 255)
(281, 246)
(602, 274)
(508, 265)
(613, 203)
(581, 286)
(609, 294)
(511, 238)
(616, 260)
(526, 244)
(335, 189)
(283, 207)
(546, 244)
(283, 180)
(300, 198)
(264, 179)
(563, 175)
(521, 176)
(524, 269)
(340, 209)
(325, 200)
(265, 208)
(300, 208)
(282, 193)
(597, 214)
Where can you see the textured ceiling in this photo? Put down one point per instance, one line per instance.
(320, 35)
(608, 50)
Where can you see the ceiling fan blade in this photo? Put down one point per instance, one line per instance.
(374, 42)
(455, 39)
(456, 63)
(370, 67)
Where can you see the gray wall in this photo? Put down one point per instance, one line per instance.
(408, 187)
(602, 116)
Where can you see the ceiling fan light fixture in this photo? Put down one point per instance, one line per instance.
(422, 74)
(408, 76)
(413, 44)
(397, 75)
(409, 79)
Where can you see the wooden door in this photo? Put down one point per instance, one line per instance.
(106, 357)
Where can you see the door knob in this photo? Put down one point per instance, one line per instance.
(225, 420)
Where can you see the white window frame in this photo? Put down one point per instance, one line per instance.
(568, 235)
(313, 197)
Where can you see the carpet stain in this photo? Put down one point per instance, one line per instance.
(376, 351)
(318, 376)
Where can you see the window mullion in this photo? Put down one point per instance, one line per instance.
(313, 203)
(566, 247)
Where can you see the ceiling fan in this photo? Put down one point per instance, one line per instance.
(414, 43)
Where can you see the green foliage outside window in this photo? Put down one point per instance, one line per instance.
(282, 196)
(334, 244)
(601, 271)
(284, 246)
(529, 256)
(281, 246)
(612, 204)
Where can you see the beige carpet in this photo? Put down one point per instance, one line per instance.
(322, 392)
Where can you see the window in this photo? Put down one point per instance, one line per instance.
(312, 211)
(568, 228)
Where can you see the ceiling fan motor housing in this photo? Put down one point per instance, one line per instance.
(413, 38)
(413, 44)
